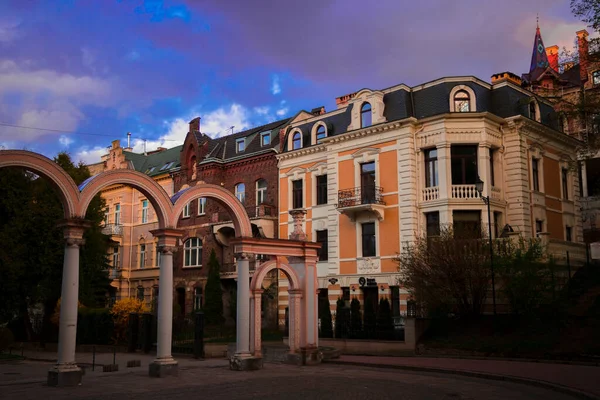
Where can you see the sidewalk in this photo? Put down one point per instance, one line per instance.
(584, 380)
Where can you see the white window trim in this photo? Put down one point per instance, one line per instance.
(358, 228)
(118, 214)
(318, 170)
(291, 139)
(198, 253)
(257, 190)
(201, 209)
(144, 211)
(564, 164)
(472, 97)
(313, 134)
(538, 116)
(241, 141)
(237, 193)
(364, 156)
(186, 211)
(142, 262)
(535, 151)
(262, 135)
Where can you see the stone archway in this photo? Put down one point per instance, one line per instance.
(295, 294)
(45, 167)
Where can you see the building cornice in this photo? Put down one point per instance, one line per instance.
(535, 127)
(319, 148)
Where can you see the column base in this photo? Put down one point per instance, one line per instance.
(161, 368)
(311, 355)
(65, 375)
(245, 363)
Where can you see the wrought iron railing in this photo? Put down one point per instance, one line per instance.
(259, 211)
(113, 229)
(360, 195)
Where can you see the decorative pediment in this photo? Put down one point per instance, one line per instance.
(295, 172)
(319, 168)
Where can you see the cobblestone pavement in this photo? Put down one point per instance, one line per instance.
(213, 379)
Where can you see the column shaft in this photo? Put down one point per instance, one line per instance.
(243, 306)
(67, 334)
(165, 307)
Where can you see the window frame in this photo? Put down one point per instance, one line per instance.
(261, 192)
(297, 194)
(267, 136)
(564, 174)
(568, 233)
(461, 100)
(322, 237)
(321, 131)
(432, 224)
(240, 194)
(185, 213)
(596, 77)
(464, 158)
(189, 246)
(492, 171)
(539, 226)
(116, 257)
(142, 254)
(366, 112)
(118, 214)
(296, 139)
(366, 238)
(535, 174)
(144, 211)
(240, 145)
(201, 205)
(431, 162)
(196, 297)
(321, 189)
(158, 256)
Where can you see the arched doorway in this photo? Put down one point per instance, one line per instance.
(295, 294)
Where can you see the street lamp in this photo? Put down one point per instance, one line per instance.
(486, 200)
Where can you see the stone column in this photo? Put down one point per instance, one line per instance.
(444, 170)
(295, 296)
(243, 306)
(256, 324)
(310, 303)
(66, 372)
(165, 364)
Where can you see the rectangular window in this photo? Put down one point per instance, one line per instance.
(492, 174)
(539, 226)
(202, 206)
(142, 255)
(322, 238)
(144, 211)
(240, 145)
(467, 224)
(367, 182)
(265, 139)
(321, 189)
(535, 172)
(565, 183)
(431, 168)
(158, 256)
(464, 165)
(198, 298)
(117, 214)
(186, 210)
(368, 239)
(115, 257)
(107, 216)
(569, 234)
(297, 194)
(433, 224)
(596, 77)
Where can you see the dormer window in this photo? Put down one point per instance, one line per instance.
(366, 117)
(240, 145)
(534, 111)
(321, 133)
(265, 139)
(167, 165)
(596, 77)
(462, 101)
(297, 141)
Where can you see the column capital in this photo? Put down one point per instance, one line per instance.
(167, 249)
(167, 237)
(295, 292)
(243, 256)
(73, 230)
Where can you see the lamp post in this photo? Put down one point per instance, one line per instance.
(486, 200)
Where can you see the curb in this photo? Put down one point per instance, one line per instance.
(482, 375)
(531, 360)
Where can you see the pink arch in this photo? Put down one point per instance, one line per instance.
(262, 271)
(43, 166)
(148, 186)
(241, 222)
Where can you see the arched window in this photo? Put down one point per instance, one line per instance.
(462, 101)
(366, 117)
(192, 256)
(532, 111)
(321, 133)
(240, 192)
(296, 141)
(261, 191)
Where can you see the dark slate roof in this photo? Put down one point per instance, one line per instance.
(224, 148)
(432, 99)
(155, 163)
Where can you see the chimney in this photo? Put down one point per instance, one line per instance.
(506, 77)
(195, 125)
(343, 100)
(583, 47)
(128, 148)
(116, 144)
(552, 53)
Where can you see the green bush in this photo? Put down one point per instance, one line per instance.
(385, 322)
(326, 322)
(355, 316)
(213, 307)
(95, 326)
(341, 322)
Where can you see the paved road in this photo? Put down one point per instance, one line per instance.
(212, 379)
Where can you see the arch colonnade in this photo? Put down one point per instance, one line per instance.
(297, 259)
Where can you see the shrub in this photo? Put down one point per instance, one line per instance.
(120, 313)
(341, 322)
(385, 322)
(213, 307)
(326, 322)
(355, 316)
(6, 338)
(95, 326)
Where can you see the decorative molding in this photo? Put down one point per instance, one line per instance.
(370, 151)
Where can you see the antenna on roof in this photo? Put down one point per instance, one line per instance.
(145, 140)
(128, 139)
(232, 129)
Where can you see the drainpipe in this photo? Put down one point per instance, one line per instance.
(130, 244)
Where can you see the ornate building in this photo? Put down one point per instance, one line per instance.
(571, 84)
(388, 165)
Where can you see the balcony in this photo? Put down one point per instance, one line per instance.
(114, 273)
(431, 193)
(464, 192)
(357, 200)
(113, 230)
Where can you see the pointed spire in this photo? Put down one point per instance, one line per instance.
(539, 59)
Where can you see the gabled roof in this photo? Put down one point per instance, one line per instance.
(156, 163)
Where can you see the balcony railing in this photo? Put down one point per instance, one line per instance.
(359, 196)
(254, 212)
(464, 192)
(431, 193)
(114, 273)
(113, 229)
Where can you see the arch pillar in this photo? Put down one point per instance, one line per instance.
(255, 317)
(295, 296)
(165, 364)
(66, 372)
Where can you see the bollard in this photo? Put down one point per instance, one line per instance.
(199, 335)
(93, 358)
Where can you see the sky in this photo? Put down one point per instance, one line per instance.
(76, 75)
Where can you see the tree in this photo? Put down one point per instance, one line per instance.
(326, 322)
(385, 322)
(587, 11)
(341, 321)
(355, 317)
(213, 308)
(31, 258)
